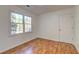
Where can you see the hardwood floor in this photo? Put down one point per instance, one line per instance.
(43, 46)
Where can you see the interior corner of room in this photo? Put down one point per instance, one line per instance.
(53, 22)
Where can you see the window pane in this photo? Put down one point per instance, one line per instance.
(16, 23)
(28, 28)
(16, 18)
(19, 19)
(27, 21)
(19, 28)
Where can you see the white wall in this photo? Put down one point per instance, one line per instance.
(6, 40)
(76, 25)
(48, 24)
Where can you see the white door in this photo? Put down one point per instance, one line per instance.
(66, 31)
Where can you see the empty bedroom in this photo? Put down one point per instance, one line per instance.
(39, 29)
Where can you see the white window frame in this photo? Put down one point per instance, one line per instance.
(23, 23)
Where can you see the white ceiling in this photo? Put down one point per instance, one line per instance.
(41, 9)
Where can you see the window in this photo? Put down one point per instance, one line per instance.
(27, 21)
(20, 23)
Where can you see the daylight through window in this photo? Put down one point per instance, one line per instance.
(20, 23)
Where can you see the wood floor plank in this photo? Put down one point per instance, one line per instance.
(43, 46)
